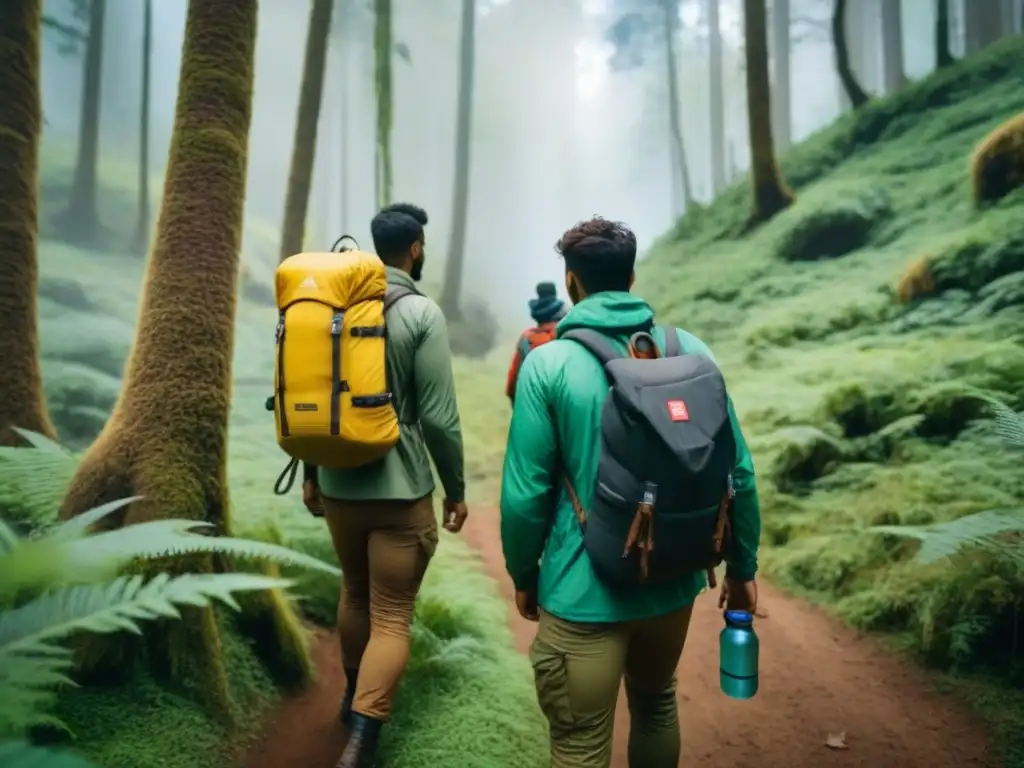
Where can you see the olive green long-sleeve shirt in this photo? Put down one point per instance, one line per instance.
(420, 364)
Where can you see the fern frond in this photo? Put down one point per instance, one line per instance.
(942, 540)
(9, 538)
(43, 443)
(28, 688)
(21, 754)
(80, 525)
(172, 538)
(1009, 423)
(33, 479)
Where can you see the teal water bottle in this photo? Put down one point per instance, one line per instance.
(738, 646)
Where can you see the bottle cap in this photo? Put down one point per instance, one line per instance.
(742, 618)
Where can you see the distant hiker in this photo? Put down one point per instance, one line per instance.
(655, 483)
(381, 515)
(546, 310)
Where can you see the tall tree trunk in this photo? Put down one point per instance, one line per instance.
(716, 99)
(166, 440)
(943, 52)
(453, 268)
(681, 171)
(983, 24)
(854, 92)
(300, 177)
(21, 124)
(81, 219)
(782, 117)
(141, 240)
(343, 137)
(892, 45)
(770, 193)
(382, 58)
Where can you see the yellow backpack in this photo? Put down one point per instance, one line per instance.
(332, 404)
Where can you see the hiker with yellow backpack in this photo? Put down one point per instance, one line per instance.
(364, 398)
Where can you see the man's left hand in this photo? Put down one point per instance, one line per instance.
(526, 604)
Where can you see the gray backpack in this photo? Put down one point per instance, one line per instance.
(662, 497)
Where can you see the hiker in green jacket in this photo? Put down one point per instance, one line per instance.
(593, 632)
(381, 517)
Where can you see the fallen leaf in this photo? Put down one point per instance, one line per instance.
(837, 741)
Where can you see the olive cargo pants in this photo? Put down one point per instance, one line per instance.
(384, 548)
(578, 668)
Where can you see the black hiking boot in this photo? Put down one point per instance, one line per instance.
(361, 749)
(345, 713)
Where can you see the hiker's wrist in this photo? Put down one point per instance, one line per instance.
(308, 473)
(737, 573)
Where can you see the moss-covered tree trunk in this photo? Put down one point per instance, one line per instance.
(943, 52)
(300, 176)
(893, 76)
(782, 110)
(21, 123)
(80, 222)
(770, 193)
(452, 291)
(166, 439)
(854, 92)
(680, 172)
(382, 56)
(140, 242)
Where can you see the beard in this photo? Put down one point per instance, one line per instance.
(417, 269)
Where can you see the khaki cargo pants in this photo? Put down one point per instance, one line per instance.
(384, 548)
(578, 669)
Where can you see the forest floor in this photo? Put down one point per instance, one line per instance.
(821, 684)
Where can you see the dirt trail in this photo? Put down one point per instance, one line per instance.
(817, 679)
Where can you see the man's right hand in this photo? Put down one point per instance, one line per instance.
(737, 595)
(311, 498)
(455, 514)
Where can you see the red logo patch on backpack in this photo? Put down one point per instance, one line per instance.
(677, 410)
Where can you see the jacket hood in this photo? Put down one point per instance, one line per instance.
(611, 312)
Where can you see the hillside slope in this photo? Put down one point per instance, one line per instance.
(851, 329)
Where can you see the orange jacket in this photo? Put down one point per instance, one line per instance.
(530, 339)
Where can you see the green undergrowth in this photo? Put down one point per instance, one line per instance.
(856, 384)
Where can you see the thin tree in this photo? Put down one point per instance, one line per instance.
(300, 177)
(453, 268)
(983, 24)
(893, 75)
(680, 168)
(716, 99)
(141, 240)
(854, 92)
(770, 193)
(943, 51)
(166, 440)
(81, 222)
(21, 124)
(782, 117)
(382, 60)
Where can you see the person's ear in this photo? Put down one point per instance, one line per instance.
(632, 279)
(416, 251)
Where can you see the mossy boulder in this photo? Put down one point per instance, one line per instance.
(974, 262)
(944, 409)
(997, 166)
(473, 334)
(831, 223)
(66, 293)
(80, 400)
(805, 454)
(861, 409)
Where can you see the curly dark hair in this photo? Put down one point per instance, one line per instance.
(601, 253)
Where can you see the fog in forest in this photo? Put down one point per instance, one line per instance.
(570, 115)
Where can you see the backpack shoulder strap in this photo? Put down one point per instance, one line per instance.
(672, 347)
(595, 342)
(397, 294)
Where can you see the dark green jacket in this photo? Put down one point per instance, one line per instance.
(562, 379)
(420, 363)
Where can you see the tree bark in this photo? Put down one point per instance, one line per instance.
(781, 85)
(983, 24)
(81, 219)
(680, 168)
(857, 96)
(141, 240)
(382, 59)
(892, 45)
(452, 291)
(716, 99)
(166, 439)
(300, 176)
(943, 52)
(770, 193)
(21, 123)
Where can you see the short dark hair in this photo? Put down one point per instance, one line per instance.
(395, 228)
(601, 253)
